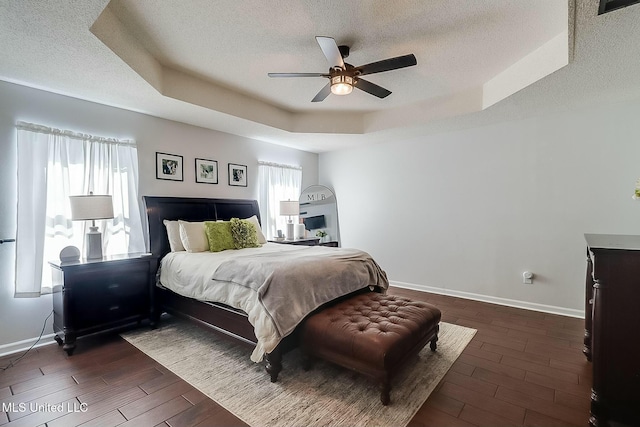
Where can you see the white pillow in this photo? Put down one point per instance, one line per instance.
(193, 236)
(254, 220)
(173, 233)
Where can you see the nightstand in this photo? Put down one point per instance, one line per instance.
(92, 296)
(311, 241)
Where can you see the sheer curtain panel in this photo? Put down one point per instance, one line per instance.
(53, 165)
(276, 183)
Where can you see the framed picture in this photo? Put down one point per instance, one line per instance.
(169, 166)
(237, 175)
(206, 171)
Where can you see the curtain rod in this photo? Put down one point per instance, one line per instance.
(278, 165)
(70, 134)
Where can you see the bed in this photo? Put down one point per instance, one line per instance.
(221, 318)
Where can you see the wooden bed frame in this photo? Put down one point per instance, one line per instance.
(219, 318)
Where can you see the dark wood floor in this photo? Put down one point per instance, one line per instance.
(522, 368)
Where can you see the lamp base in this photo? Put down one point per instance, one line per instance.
(93, 243)
(290, 232)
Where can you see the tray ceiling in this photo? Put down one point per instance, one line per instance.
(206, 63)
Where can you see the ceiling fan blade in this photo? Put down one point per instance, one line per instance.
(324, 92)
(371, 88)
(330, 49)
(297, 75)
(387, 65)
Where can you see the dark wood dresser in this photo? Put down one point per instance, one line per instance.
(612, 319)
(97, 295)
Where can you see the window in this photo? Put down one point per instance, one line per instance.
(53, 165)
(276, 183)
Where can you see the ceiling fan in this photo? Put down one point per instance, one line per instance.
(344, 77)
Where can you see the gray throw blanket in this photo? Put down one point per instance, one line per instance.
(290, 285)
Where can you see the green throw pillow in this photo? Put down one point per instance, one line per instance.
(244, 234)
(219, 235)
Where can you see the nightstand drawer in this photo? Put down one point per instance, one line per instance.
(109, 295)
(114, 309)
(113, 284)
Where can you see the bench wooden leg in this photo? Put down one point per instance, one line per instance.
(433, 345)
(385, 392)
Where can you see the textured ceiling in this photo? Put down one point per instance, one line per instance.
(459, 44)
(205, 63)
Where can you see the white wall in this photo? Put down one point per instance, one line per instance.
(21, 319)
(466, 212)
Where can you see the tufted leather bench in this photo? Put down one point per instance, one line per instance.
(371, 333)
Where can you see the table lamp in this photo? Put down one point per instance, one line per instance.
(289, 208)
(92, 207)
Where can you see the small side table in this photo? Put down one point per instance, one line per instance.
(311, 241)
(97, 295)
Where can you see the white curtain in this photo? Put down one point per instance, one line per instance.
(276, 183)
(53, 165)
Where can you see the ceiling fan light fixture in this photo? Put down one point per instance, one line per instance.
(341, 85)
(344, 77)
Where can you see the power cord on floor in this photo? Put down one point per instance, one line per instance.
(13, 362)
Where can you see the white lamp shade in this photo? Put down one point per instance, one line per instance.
(91, 207)
(290, 208)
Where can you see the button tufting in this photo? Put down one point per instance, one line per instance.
(373, 331)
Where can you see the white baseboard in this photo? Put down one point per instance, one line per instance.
(562, 311)
(19, 346)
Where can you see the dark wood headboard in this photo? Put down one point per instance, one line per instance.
(190, 209)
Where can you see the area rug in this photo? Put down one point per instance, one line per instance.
(326, 395)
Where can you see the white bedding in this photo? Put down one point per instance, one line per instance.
(191, 275)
